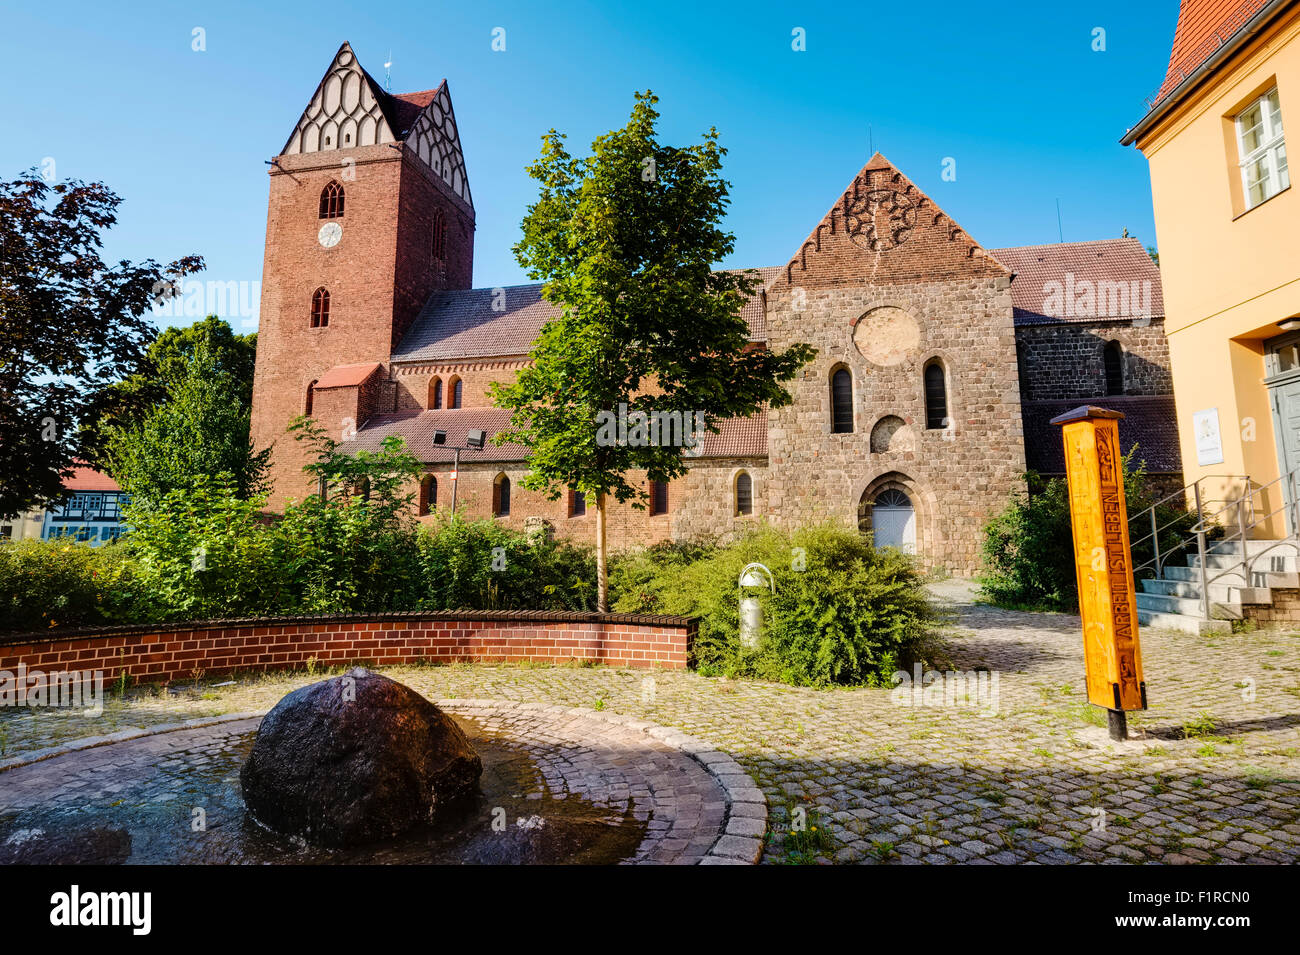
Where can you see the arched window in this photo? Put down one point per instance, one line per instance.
(439, 237)
(744, 494)
(936, 396)
(331, 201)
(501, 496)
(320, 308)
(428, 494)
(577, 504)
(435, 393)
(841, 401)
(658, 497)
(1113, 358)
(456, 393)
(311, 397)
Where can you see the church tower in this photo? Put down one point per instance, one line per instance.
(369, 214)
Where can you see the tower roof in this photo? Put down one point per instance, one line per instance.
(350, 109)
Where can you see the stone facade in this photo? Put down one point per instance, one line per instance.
(1066, 360)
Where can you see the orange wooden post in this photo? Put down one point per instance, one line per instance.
(1102, 562)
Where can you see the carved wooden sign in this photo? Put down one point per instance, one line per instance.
(1103, 564)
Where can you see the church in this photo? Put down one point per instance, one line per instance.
(939, 362)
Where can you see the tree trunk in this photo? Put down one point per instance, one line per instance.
(602, 576)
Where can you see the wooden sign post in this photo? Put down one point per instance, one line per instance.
(1103, 564)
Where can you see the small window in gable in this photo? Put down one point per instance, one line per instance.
(320, 308)
(331, 201)
(311, 397)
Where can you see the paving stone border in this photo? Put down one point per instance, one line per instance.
(684, 834)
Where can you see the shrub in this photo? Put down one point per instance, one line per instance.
(47, 584)
(1028, 548)
(205, 552)
(480, 565)
(852, 615)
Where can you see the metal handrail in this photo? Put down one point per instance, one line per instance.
(1158, 562)
(1247, 519)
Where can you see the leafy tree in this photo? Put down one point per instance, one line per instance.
(382, 477)
(69, 324)
(126, 403)
(626, 241)
(201, 429)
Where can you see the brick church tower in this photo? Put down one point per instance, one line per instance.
(369, 214)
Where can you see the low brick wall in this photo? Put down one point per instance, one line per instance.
(176, 651)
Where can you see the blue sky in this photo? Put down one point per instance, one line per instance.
(1013, 92)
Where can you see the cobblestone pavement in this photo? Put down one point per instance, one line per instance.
(1215, 776)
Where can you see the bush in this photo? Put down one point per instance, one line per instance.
(47, 584)
(480, 565)
(852, 615)
(1028, 548)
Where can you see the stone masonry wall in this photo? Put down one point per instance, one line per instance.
(1065, 360)
(956, 477)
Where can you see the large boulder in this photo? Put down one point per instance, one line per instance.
(355, 759)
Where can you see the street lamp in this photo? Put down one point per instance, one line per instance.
(474, 441)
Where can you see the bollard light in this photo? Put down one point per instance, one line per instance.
(751, 612)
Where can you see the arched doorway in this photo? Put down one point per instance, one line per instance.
(893, 520)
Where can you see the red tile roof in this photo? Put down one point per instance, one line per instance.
(465, 324)
(88, 479)
(1044, 272)
(1203, 27)
(347, 376)
(736, 437)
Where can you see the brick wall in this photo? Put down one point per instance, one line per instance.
(701, 504)
(177, 651)
(1065, 360)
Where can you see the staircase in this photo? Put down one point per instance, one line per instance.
(1174, 600)
(1202, 586)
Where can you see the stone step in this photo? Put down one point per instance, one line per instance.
(1274, 561)
(1231, 593)
(1253, 547)
(1176, 621)
(1279, 579)
(1159, 603)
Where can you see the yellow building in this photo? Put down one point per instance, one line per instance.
(1228, 225)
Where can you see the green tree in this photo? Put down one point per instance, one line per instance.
(126, 403)
(626, 241)
(202, 429)
(69, 325)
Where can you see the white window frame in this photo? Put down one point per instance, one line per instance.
(1273, 142)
